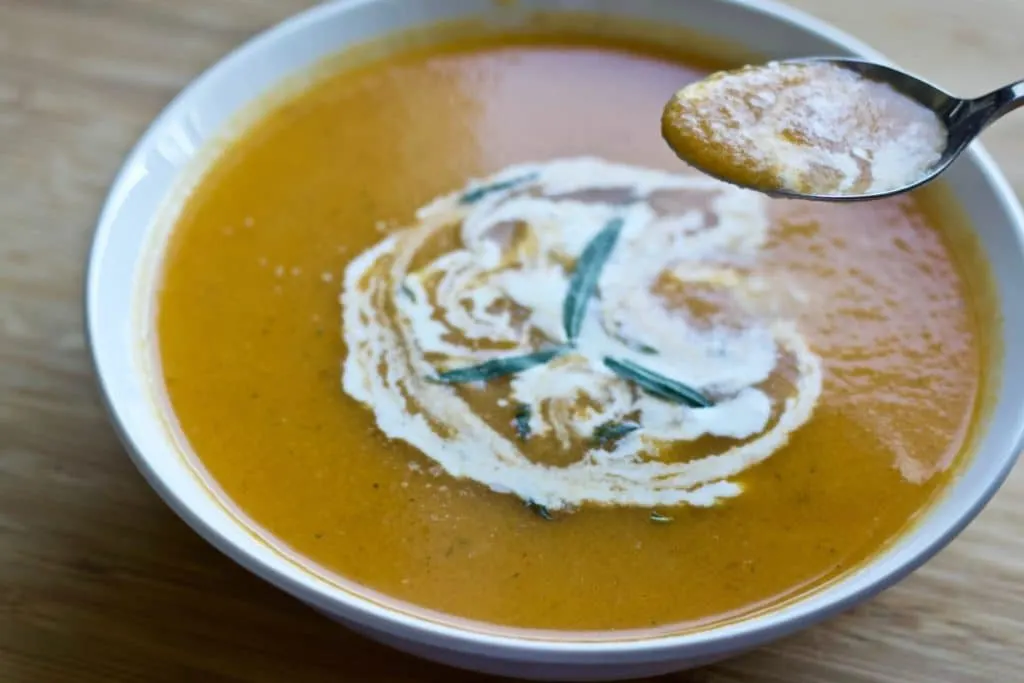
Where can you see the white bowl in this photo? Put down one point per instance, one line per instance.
(120, 284)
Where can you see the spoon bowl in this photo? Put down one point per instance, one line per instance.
(963, 120)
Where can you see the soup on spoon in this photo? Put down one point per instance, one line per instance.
(804, 128)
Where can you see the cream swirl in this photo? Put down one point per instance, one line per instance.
(482, 275)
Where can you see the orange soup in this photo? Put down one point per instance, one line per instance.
(804, 127)
(570, 384)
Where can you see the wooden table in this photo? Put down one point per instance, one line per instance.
(99, 581)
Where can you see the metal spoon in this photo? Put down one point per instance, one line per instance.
(964, 119)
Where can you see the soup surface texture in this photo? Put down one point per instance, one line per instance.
(252, 344)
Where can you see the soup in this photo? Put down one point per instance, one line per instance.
(811, 127)
(726, 401)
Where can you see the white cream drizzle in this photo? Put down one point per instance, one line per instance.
(403, 327)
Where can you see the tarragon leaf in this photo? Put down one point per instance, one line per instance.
(656, 384)
(498, 367)
(478, 193)
(612, 431)
(522, 421)
(539, 510)
(585, 276)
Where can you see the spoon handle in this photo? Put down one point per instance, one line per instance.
(973, 116)
(1003, 101)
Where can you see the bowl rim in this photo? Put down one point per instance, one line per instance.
(748, 631)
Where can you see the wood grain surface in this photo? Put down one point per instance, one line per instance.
(99, 581)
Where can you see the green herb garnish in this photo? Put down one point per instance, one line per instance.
(585, 276)
(658, 385)
(479, 193)
(539, 510)
(659, 518)
(522, 421)
(498, 367)
(613, 431)
(639, 347)
(407, 291)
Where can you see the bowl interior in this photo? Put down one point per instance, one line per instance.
(121, 278)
